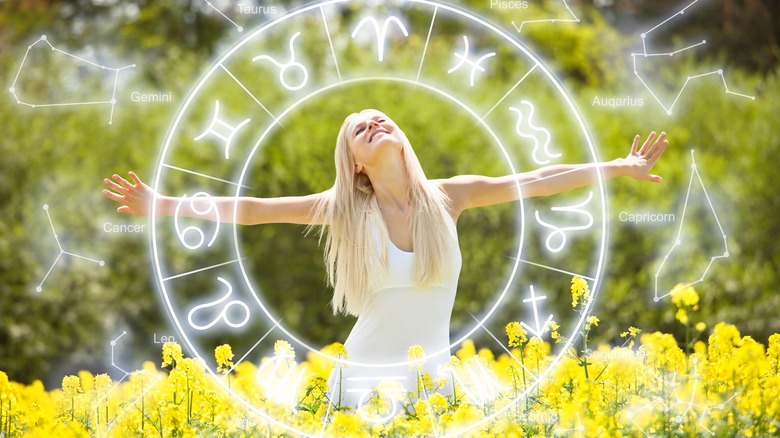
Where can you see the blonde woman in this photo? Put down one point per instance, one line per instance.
(391, 246)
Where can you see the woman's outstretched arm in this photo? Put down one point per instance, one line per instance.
(471, 191)
(136, 198)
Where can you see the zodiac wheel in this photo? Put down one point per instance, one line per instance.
(244, 100)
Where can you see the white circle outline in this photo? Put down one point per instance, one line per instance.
(258, 144)
(468, 16)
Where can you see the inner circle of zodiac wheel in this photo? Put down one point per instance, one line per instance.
(248, 96)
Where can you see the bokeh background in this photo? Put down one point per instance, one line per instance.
(59, 156)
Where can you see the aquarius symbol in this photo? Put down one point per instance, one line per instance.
(380, 34)
(464, 59)
(283, 68)
(223, 315)
(281, 389)
(644, 54)
(540, 133)
(560, 232)
(216, 121)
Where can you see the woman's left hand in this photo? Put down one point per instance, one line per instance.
(640, 161)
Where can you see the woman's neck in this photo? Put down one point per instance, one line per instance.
(391, 184)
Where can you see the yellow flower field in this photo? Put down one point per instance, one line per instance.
(728, 386)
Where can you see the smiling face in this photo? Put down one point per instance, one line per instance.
(371, 135)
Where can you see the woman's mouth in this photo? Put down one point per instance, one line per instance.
(377, 132)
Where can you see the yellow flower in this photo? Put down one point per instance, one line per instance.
(336, 350)
(592, 320)
(554, 331)
(700, 326)
(102, 382)
(516, 334)
(416, 356)
(171, 354)
(438, 403)
(681, 315)
(579, 290)
(283, 348)
(224, 356)
(71, 385)
(685, 297)
(773, 352)
(536, 350)
(632, 331)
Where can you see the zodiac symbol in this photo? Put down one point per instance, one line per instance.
(380, 34)
(283, 68)
(560, 232)
(281, 389)
(530, 127)
(216, 121)
(193, 229)
(478, 382)
(223, 315)
(539, 331)
(388, 392)
(474, 65)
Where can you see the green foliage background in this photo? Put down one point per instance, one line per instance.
(59, 156)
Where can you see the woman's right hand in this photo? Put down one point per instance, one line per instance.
(136, 199)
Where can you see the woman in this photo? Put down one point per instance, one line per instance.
(391, 246)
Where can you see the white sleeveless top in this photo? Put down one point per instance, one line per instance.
(395, 317)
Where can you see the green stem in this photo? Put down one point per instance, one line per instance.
(143, 407)
(454, 391)
(585, 353)
(687, 338)
(341, 388)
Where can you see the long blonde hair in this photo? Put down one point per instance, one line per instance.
(351, 211)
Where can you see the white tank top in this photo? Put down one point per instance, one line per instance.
(395, 317)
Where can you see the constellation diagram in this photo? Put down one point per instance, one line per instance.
(573, 19)
(689, 403)
(129, 404)
(644, 55)
(678, 239)
(39, 288)
(238, 28)
(111, 101)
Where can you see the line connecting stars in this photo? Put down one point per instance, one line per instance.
(238, 28)
(111, 101)
(39, 288)
(644, 55)
(129, 404)
(678, 240)
(573, 19)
